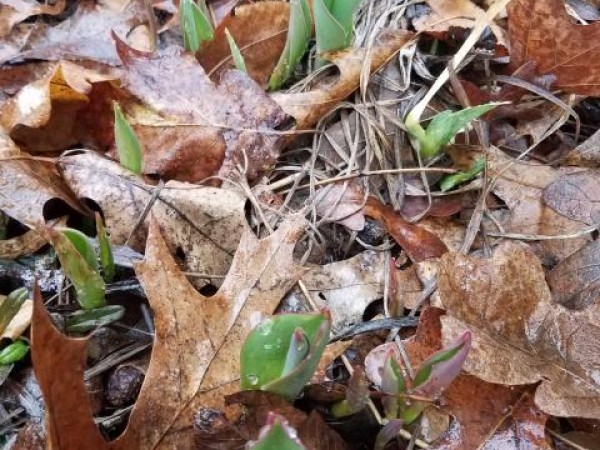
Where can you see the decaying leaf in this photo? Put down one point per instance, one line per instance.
(204, 223)
(13, 12)
(575, 281)
(520, 185)
(418, 243)
(25, 244)
(347, 287)
(20, 322)
(586, 154)
(307, 108)
(198, 129)
(576, 196)
(259, 30)
(86, 35)
(454, 13)
(343, 204)
(520, 335)
(542, 31)
(195, 354)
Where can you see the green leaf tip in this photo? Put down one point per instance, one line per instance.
(14, 352)
(196, 25)
(442, 128)
(276, 435)
(236, 54)
(128, 145)
(455, 179)
(334, 23)
(298, 38)
(293, 345)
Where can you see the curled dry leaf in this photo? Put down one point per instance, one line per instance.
(417, 242)
(13, 12)
(25, 244)
(446, 14)
(259, 30)
(586, 154)
(342, 203)
(196, 348)
(86, 34)
(542, 31)
(205, 223)
(307, 108)
(575, 281)
(197, 129)
(520, 335)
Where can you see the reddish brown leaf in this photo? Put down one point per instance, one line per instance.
(205, 129)
(418, 243)
(259, 30)
(542, 31)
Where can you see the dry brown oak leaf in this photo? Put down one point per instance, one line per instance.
(204, 223)
(520, 184)
(195, 358)
(521, 335)
(542, 31)
(259, 30)
(86, 35)
(192, 128)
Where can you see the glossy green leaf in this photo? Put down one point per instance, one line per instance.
(128, 145)
(276, 435)
(296, 44)
(14, 352)
(334, 23)
(236, 54)
(107, 258)
(87, 320)
(88, 283)
(293, 345)
(455, 179)
(196, 25)
(82, 243)
(443, 127)
(11, 306)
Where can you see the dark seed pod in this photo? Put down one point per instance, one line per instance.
(124, 385)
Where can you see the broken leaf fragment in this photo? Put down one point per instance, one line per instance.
(293, 345)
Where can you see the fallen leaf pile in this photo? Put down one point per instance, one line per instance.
(248, 202)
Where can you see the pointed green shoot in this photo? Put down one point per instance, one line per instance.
(334, 23)
(463, 176)
(393, 384)
(443, 127)
(88, 283)
(83, 321)
(236, 54)
(441, 368)
(196, 25)
(81, 242)
(107, 258)
(14, 352)
(297, 42)
(127, 142)
(293, 345)
(11, 306)
(276, 435)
